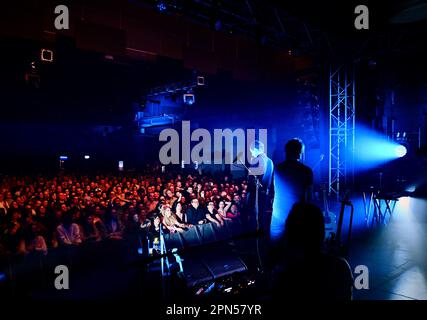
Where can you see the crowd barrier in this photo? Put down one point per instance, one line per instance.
(203, 234)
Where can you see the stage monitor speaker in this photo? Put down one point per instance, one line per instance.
(195, 272)
(221, 263)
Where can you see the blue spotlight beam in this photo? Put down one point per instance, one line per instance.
(374, 149)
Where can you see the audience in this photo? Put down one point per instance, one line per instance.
(38, 213)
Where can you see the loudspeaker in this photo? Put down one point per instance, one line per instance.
(222, 263)
(195, 272)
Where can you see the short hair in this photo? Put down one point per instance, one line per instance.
(294, 148)
(305, 227)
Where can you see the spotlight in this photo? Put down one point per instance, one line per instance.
(161, 6)
(63, 158)
(87, 157)
(189, 98)
(400, 151)
(121, 165)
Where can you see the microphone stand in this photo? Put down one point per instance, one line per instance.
(257, 186)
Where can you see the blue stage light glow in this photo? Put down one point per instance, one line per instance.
(161, 6)
(373, 149)
(400, 151)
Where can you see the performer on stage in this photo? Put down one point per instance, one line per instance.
(266, 179)
(293, 182)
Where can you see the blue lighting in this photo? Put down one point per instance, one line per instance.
(400, 151)
(63, 157)
(161, 6)
(373, 149)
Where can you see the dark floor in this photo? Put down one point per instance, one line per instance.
(395, 254)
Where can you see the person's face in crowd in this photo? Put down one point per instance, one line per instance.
(87, 189)
(236, 198)
(179, 185)
(169, 194)
(168, 212)
(77, 215)
(14, 205)
(62, 197)
(20, 201)
(75, 200)
(29, 219)
(8, 196)
(178, 207)
(190, 190)
(195, 203)
(244, 195)
(135, 218)
(223, 194)
(42, 211)
(183, 200)
(90, 219)
(215, 191)
(234, 209)
(156, 195)
(211, 206)
(162, 199)
(16, 216)
(221, 205)
(38, 203)
(156, 222)
(58, 214)
(63, 207)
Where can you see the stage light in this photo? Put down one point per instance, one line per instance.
(121, 165)
(87, 157)
(63, 158)
(162, 6)
(400, 151)
(189, 98)
(373, 149)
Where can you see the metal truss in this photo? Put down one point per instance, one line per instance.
(342, 120)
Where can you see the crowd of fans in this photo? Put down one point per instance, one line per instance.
(39, 213)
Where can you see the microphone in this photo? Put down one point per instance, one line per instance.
(237, 157)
